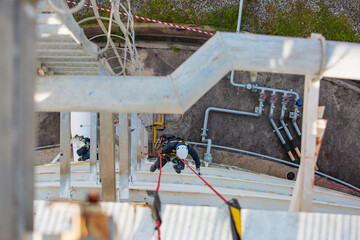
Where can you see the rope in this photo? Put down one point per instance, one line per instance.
(219, 195)
(158, 228)
(158, 184)
(182, 117)
(334, 185)
(149, 19)
(157, 190)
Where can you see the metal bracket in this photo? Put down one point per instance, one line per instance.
(291, 115)
(280, 127)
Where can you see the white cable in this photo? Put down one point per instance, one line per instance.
(66, 11)
(108, 34)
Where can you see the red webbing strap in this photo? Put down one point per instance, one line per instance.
(158, 228)
(158, 185)
(157, 189)
(222, 198)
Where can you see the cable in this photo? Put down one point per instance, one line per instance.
(158, 223)
(219, 195)
(334, 185)
(182, 116)
(158, 185)
(66, 11)
(108, 34)
(48, 150)
(276, 160)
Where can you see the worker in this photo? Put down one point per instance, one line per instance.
(84, 150)
(174, 149)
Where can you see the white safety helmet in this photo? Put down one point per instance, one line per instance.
(182, 151)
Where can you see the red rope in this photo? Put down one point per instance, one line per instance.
(336, 185)
(158, 185)
(157, 151)
(157, 189)
(222, 198)
(158, 228)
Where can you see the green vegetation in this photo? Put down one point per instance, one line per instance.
(175, 49)
(299, 21)
(302, 20)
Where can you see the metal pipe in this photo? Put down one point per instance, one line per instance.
(277, 160)
(296, 113)
(207, 156)
(283, 109)
(48, 146)
(272, 107)
(254, 87)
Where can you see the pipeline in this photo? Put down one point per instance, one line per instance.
(254, 87)
(278, 161)
(207, 156)
(272, 107)
(49, 146)
(284, 102)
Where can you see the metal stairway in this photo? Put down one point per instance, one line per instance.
(63, 48)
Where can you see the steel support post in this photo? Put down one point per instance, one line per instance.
(142, 144)
(146, 143)
(65, 158)
(140, 138)
(93, 146)
(17, 81)
(124, 154)
(134, 142)
(303, 191)
(107, 157)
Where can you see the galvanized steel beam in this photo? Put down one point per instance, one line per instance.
(175, 93)
(65, 156)
(93, 145)
(124, 154)
(17, 27)
(107, 157)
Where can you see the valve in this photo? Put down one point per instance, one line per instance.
(299, 102)
(207, 159)
(285, 100)
(263, 96)
(274, 98)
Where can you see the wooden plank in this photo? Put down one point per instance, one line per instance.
(107, 157)
(321, 126)
(124, 154)
(65, 156)
(303, 192)
(93, 145)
